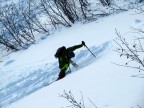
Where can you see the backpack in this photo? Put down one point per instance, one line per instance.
(60, 51)
(71, 54)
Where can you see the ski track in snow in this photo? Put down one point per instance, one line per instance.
(28, 80)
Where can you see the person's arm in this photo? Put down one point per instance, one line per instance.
(76, 46)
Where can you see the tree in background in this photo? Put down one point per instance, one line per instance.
(20, 22)
(15, 33)
(106, 2)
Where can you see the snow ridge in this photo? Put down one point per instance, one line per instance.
(40, 76)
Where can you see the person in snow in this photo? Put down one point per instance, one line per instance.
(64, 56)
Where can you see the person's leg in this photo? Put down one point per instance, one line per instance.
(62, 73)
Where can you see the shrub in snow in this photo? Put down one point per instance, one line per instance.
(133, 51)
(74, 103)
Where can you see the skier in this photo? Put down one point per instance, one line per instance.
(64, 56)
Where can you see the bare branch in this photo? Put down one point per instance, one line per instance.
(131, 51)
(74, 103)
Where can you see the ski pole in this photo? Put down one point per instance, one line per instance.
(90, 51)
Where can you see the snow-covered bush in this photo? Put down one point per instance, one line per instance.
(134, 51)
(132, 47)
(19, 22)
(74, 103)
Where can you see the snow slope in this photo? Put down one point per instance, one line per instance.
(25, 74)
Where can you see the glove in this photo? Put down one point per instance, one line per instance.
(83, 43)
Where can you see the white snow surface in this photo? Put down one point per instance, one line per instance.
(26, 76)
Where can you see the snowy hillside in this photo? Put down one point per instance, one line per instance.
(27, 76)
